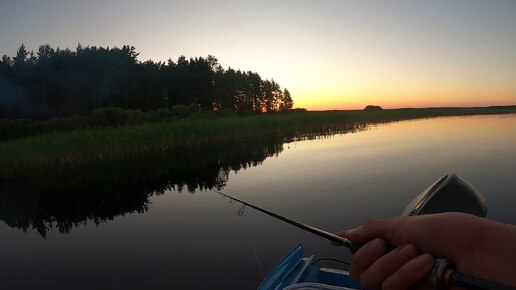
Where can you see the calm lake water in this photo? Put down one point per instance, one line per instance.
(185, 240)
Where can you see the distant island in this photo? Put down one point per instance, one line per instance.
(372, 108)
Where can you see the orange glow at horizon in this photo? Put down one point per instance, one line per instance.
(403, 93)
(371, 77)
(358, 102)
(329, 103)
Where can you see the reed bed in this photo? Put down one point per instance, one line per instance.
(107, 155)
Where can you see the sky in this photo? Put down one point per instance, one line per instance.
(330, 54)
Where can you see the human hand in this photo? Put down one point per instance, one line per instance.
(476, 246)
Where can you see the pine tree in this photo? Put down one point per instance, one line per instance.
(44, 52)
(5, 63)
(288, 103)
(21, 55)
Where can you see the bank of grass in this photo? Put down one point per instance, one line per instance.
(104, 153)
(104, 117)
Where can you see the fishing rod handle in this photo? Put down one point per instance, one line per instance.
(443, 275)
(469, 282)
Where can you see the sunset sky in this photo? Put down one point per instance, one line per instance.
(329, 54)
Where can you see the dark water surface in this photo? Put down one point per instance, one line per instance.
(151, 237)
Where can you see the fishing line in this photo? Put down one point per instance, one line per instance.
(241, 212)
(257, 258)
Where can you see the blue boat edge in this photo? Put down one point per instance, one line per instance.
(295, 271)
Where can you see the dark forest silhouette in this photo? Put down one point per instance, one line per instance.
(61, 82)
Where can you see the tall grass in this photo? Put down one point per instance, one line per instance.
(103, 117)
(116, 155)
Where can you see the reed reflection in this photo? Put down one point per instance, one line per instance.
(62, 204)
(63, 199)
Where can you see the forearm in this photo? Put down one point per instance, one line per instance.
(478, 247)
(494, 257)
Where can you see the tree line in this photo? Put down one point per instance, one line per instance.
(61, 82)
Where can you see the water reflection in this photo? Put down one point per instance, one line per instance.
(48, 206)
(335, 183)
(98, 195)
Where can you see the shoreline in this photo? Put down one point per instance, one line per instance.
(107, 155)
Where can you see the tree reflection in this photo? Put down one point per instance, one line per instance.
(68, 197)
(63, 204)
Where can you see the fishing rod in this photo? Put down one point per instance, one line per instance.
(443, 275)
(321, 233)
